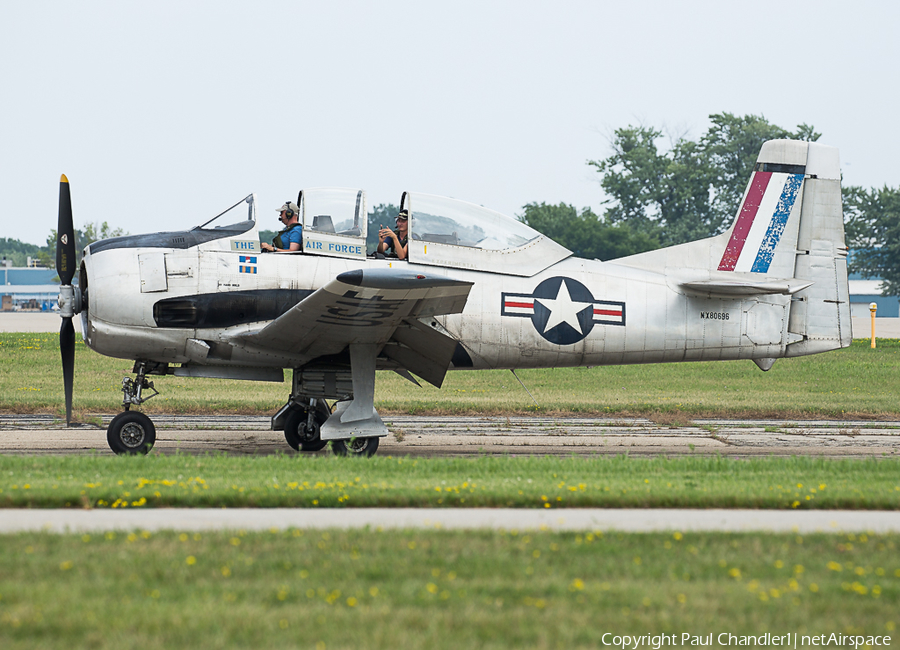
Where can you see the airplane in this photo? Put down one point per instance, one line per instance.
(478, 290)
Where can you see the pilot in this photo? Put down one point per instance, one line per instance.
(394, 244)
(291, 238)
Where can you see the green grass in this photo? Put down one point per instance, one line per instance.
(856, 382)
(437, 589)
(434, 589)
(537, 482)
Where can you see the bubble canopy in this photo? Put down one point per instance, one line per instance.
(442, 232)
(456, 234)
(443, 220)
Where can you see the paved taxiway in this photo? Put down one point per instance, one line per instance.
(431, 436)
(625, 520)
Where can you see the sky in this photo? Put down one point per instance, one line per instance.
(162, 114)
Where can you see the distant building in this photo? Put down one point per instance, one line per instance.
(27, 288)
(864, 292)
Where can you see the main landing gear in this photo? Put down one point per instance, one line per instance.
(132, 432)
(302, 426)
(355, 447)
(303, 430)
(353, 426)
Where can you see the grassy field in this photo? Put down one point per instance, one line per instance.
(434, 589)
(856, 382)
(442, 589)
(541, 482)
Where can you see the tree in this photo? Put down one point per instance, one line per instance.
(731, 146)
(383, 214)
(267, 235)
(692, 190)
(585, 234)
(92, 232)
(872, 220)
(18, 252)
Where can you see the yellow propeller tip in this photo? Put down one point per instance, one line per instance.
(63, 179)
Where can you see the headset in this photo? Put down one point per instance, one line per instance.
(290, 213)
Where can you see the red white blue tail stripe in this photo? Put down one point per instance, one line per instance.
(761, 221)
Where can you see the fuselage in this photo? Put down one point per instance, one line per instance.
(145, 303)
(774, 285)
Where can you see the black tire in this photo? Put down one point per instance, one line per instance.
(355, 447)
(296, 433)
(131, 433)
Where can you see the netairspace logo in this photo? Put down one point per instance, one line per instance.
(725, 639)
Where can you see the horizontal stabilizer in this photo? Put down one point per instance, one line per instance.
(740, 288)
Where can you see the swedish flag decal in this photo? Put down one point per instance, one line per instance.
(247, 264)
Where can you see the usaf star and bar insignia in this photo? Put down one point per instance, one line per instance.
(563, 310)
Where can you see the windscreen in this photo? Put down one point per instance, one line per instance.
(236, 218)
(334, 210)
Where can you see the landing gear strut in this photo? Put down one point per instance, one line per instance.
(131, 432)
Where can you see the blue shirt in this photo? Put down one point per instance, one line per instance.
(294, 235)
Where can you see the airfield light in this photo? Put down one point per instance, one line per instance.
(872, 309)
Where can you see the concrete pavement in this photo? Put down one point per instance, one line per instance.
(461, 436)
(587, 519)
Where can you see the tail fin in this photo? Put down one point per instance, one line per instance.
(787, 239)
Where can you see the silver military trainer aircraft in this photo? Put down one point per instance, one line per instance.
(478, 290)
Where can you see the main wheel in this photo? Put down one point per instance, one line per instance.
(298, 435)
(131, 432)
(355, 447)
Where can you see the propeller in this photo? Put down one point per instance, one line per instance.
(68, 300)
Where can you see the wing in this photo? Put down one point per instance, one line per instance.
(369, 307)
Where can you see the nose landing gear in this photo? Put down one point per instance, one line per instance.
(132, 432)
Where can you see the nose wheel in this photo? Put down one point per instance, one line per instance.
(131, 433)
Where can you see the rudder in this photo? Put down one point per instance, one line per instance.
(821, 313)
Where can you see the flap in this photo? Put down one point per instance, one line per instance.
(422, 350)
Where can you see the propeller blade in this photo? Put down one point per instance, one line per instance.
(65, 235)
(67, 349)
